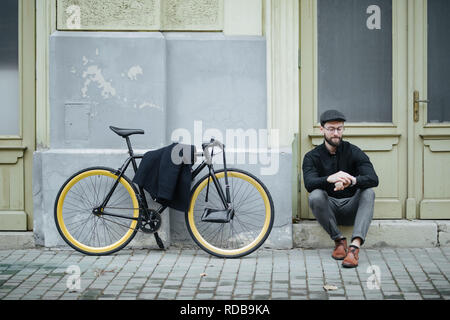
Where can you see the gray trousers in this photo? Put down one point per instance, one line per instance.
(331, 212)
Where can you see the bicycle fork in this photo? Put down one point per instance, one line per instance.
(215, 215)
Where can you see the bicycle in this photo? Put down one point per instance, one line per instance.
(98, 210)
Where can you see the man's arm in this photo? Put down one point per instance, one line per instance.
(311, 176)
(367, 177)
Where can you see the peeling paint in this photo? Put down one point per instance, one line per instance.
(149, 105)
(94, 74)
(134, 71)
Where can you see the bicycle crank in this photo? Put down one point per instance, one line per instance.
(150, 221)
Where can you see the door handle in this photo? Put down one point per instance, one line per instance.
(416, 105)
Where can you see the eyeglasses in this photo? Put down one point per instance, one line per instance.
(331, 129)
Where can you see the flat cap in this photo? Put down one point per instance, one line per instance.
(331, 115)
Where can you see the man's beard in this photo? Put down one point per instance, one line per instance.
(334, 144)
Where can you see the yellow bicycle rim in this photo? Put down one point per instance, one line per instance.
(260, 236)
(63, 227)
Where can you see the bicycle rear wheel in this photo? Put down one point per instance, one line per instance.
(248, 228)
(94, 233)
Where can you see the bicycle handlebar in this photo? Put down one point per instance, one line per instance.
(213, 143)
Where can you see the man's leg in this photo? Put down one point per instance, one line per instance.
(320, 206)
(359, 212)
(324, 210)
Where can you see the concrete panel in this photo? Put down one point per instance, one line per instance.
(57, 165)
(108, 15)
(215, 82)
(278, 185)
(137, 15)
(111, 79)
(192, 15)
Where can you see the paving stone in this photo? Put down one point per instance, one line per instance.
(407, 273)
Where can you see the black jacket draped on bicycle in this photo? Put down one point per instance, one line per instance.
(166, 174)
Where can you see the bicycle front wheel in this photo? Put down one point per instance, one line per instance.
(248, 228)
(90, 232)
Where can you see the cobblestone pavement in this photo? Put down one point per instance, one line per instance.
(190, 274)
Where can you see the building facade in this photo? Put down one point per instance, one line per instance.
(256, 70)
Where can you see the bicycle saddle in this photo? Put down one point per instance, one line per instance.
(126, 132)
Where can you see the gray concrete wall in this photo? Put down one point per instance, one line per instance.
(53, 167)
(218, 80)
(154, 81)
(194, 85)
(99, 79)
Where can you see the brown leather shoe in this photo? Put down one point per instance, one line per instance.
(351, 260)
(340, 249)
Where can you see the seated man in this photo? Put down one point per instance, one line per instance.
(339, 177)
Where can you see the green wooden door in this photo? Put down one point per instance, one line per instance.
(17, 121)
(429, 103)
(353, 58)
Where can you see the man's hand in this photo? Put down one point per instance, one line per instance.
(341, 180)
(339, 186)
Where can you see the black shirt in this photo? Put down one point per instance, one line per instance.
(319, 164)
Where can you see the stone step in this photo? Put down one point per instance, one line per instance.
(16, 240)
(382, 233)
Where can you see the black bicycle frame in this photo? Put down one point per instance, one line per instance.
(141, 194)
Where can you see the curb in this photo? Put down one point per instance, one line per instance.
(309, 234)
(10, 240)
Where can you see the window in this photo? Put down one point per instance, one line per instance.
(9, 67)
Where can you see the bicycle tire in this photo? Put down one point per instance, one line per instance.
(80, 227)
(240, 241)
